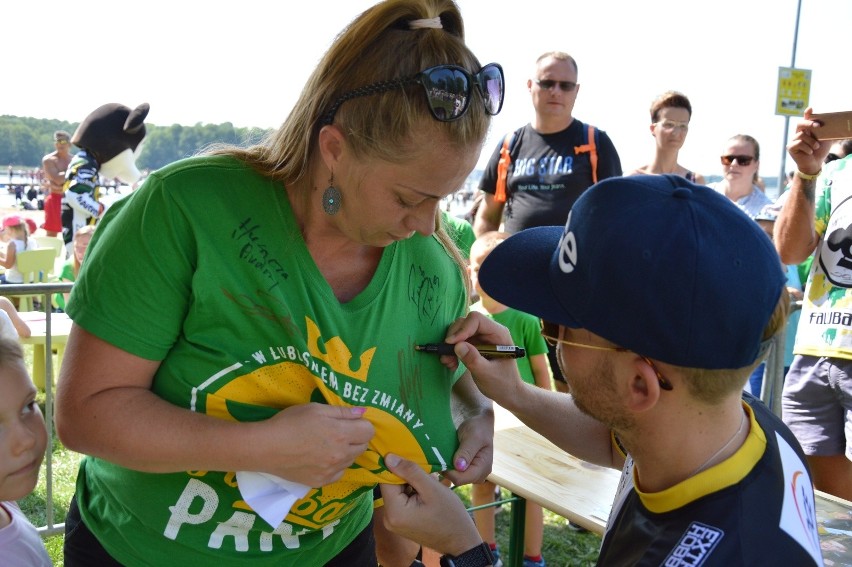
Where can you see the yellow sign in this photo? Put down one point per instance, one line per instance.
(794, 90)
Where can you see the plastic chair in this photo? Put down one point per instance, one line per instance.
(54, 242)
(37, 267)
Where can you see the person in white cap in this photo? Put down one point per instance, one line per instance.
(656, 344)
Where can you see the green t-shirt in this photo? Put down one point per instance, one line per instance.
(67, 275)
(526, 332)
(460, 231)
(204, 269)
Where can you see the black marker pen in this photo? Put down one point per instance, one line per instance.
(487, 351)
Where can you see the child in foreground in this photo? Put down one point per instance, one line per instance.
(534, 369)
(23, 438)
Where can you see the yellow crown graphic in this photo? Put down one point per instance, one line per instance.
(337, 354)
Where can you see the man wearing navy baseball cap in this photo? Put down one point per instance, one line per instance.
(660, 294)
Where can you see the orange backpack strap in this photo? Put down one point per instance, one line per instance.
(592, 148)
(500, 191)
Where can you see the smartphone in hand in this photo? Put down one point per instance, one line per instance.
(835, 125)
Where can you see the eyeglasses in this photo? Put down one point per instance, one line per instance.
(61, 142)
(447, 88)
(548, 84)
(672, 125)
(831, 157)
(551, 333)
(741, 160)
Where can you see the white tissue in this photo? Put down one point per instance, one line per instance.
(270, 496)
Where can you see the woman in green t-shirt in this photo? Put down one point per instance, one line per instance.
(243, 352)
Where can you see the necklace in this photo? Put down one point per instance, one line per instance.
(706, 463)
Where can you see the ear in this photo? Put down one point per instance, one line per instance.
(529, 85)
(332, 144)
(653, 128)
(643, 388)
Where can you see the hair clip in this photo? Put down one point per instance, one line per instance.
(426, 23)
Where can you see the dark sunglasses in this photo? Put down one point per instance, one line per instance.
(448, 89)
(831, 157)
(550, 332)
(741, 160)
(548, 84)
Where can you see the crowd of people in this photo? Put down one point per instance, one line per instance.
(243, 380)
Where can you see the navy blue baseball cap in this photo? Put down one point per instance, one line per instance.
(654, 263)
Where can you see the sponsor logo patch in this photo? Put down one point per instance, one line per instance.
(695, 545)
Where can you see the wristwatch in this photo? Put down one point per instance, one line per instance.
(479, 556)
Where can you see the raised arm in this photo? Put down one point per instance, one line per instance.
(552, 414)
(795, 233)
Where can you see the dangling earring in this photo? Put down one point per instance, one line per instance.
(331, 198)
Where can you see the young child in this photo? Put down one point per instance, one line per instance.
(23, 438)
(534, 369)
(72, 266)
(15, 233)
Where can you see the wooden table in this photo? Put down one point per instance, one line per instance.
(60, 326)
(533, 468)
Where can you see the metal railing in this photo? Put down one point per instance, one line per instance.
(46, 290)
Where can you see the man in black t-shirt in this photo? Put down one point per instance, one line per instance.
(551, 162)
(551, 158)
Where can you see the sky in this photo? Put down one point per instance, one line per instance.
(245, 62)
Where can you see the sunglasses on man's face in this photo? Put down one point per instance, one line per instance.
(741, 160)
(448, 89)
(548, 84)
(831, 157)
(551, 334)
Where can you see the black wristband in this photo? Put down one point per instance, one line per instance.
(479, 556)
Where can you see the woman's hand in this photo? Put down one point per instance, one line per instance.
(475, 454)
(314, 444)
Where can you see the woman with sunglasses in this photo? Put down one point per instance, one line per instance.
(237, 401)
(670, 116)
(740, 162)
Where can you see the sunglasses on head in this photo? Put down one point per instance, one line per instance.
(741, 160)
(548, 84)
(448, 89)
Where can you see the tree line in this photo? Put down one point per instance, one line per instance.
(24, 140)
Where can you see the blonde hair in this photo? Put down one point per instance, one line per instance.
(82, 231)
(11, 353)
(21, 231)
(711, 386)
(378, 45)
(487, 241)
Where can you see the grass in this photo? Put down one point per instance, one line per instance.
(562, 546)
